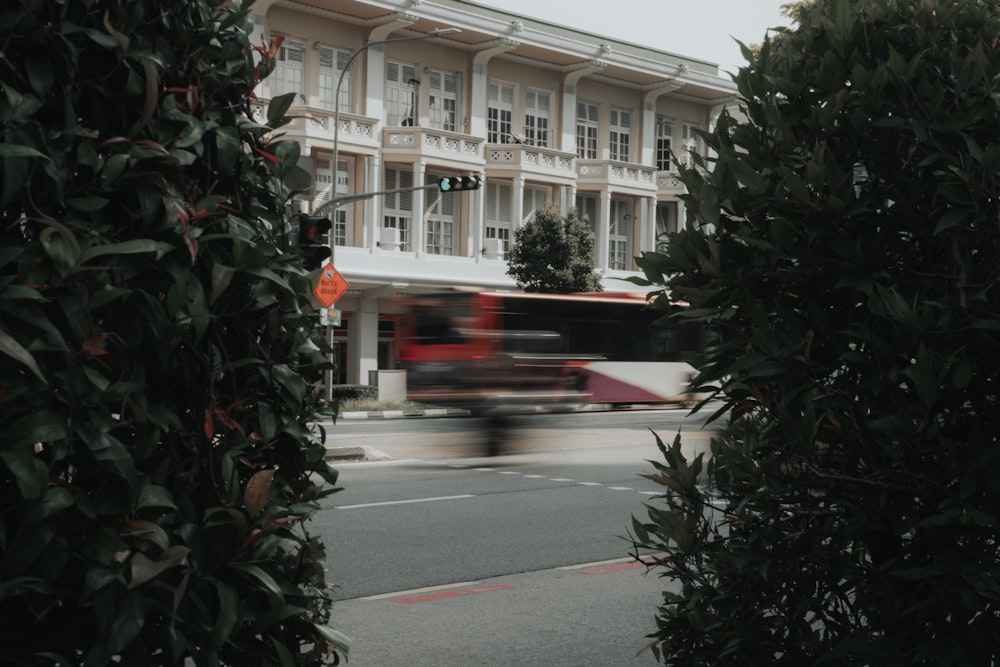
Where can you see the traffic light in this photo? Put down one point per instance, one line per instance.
(453, 183)
(311, 231)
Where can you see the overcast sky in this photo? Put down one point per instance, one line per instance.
(700, 29)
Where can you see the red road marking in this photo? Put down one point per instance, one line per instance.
(612, 568)
(450, 594)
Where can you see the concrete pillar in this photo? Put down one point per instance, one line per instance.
(517, 206)
(601, 231)
(417, 223)
(373, 206)
(362, 341)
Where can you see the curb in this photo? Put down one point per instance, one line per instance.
(404, 414)
(356, 453)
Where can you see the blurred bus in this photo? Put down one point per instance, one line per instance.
(484, 350)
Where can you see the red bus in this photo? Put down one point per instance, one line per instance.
(483, 350)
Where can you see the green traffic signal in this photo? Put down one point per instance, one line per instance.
(452, 183)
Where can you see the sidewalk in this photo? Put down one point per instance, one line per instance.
(403, 414)
(360, 452)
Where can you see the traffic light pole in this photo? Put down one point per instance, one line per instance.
(347, 199)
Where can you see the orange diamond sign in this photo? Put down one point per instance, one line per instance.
(330, 286)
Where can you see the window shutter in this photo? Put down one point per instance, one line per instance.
(292, 52)
(405, 198)
(507, 95)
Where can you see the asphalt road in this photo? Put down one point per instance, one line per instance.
(443, 558)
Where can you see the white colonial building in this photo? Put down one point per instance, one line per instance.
(544, 112)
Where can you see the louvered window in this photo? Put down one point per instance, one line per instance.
(498, 212)
(535, 199)
(666, 221)
(690, 141)
(400, 94)
(289, 70)
(587, 117)
(440, 222)
(443, 100)
(618, 235)
(323, 192)
(664, 142)
(331, 63)
(398, 206)
(500, 113)
(536, 118)
(621, 130)
(587, 207)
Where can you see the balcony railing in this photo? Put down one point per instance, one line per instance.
(667, 183)
(532, 160)
(315, 126)
(636, 177)
(431, 143)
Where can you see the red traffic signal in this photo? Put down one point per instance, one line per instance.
(314, 249)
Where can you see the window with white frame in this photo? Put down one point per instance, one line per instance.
(536, 118)
(400, 94)
(586, 206)
(621, 131)
(666, 221)
(289, 69)
(440, 222)
(331, 63)
(443, 100)
(535, 199)
(587, 117)
(499, 195)
(690, 141)
(664, 142)
(619, 229)
(499, 113)
(397, 207)
(324, 191)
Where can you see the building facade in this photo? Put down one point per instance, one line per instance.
(544, 112)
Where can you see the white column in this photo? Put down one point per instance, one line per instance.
(601, 231)
(517, 206)
(475, 239)
(373, 206)
(417, 227)
(567, 199)
(362, 341)
(648, 241)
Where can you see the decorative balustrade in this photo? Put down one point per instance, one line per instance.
(637, 177)
(531, 159)
(433, 143)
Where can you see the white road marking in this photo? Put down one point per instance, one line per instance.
(581, 566)
(417, 591)
(404, 502)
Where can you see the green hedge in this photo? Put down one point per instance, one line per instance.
(157, 357)
(842, 252)
(354, 392)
